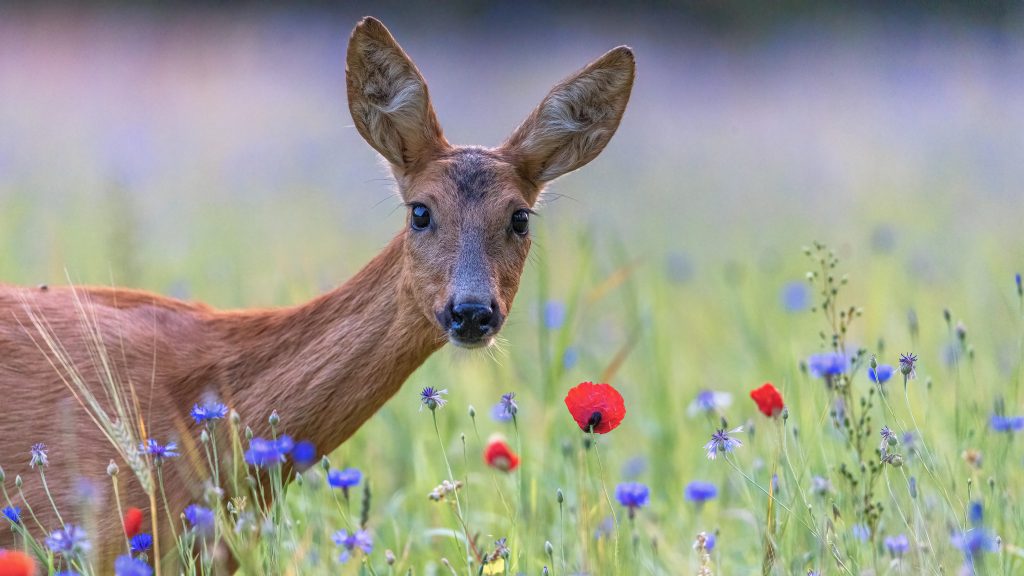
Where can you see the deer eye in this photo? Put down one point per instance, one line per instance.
(521, 222)
(420, 217)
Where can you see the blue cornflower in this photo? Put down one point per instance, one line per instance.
(13, 513)
(208, 412)
(700, 492)
(634, 467)
(570, 357)
(304, 454)
(897, 545)
(128, 566)
(722, 442)
(500, 414)
(344, 479)
(1006, 423)
(554, 314)
(264, 453)
(66, 573)
(880, 375)
(39, 456)
(70, 541)
(975, 513)
(358, 540)
(709, 541)
(820, 485)
(861, 532)
(158, 452)
(508, 401)
(201, 519)
(796, 296)
(632, 495)
(1020, 286)
(908, 366)
(709, 402)
(433, 398)
(974, 541)
(141, 542)
(827, 365)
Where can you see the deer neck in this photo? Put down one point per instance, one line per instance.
(328, 365)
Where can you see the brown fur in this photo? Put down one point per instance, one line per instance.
(327, 365)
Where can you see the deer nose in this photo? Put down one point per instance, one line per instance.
(471, 321)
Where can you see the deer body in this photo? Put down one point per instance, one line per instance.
(327, 365)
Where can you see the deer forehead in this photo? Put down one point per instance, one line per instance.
(470, 183)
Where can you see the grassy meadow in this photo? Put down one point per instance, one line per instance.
(212, 158)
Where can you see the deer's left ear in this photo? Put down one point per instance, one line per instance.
(575, 120)
(388, 98)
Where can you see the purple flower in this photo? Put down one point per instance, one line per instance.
(200, 519)
(500, 414)
(39, 456)
(208, 412)
(908, 366)
(880, 375)
(796, 296)
(820, 486)
(158, 452)
(264, 453)
(897, 545)
(861, 532)
(827, 365)
(344, 479)
(432, 398)
(13, 513)
(508, 401)
(709, 402)
(304, 454)
(554, 314)
(70, 541)
(358, 540)
(634, 467)
(700, 492)
(1006, 423)
(632, 495)
(128, 566)
(974, 541)
(141, 542)
(722, 442)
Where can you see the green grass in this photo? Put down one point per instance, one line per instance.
(723, 329)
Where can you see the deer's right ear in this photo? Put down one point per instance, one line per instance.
(388, 98)
(575, 120)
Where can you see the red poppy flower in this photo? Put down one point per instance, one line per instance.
(15, 563)
(768, 399)
(499, 454)
(597, 406)
(132, 522)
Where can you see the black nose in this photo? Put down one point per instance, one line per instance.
(471, 321)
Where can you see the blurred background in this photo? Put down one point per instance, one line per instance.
(205, 151)
(145, 143)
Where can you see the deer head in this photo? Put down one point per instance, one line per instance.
(468, 230)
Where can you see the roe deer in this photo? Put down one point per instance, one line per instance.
(327, 365)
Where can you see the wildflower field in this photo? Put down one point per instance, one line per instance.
(764, 333)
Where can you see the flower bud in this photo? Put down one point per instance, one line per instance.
(548, 548)
(236, 419)
(204, 437)
(274, 419)
(559, 496)
(112, 469)
(18, 481)
(472, 411)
